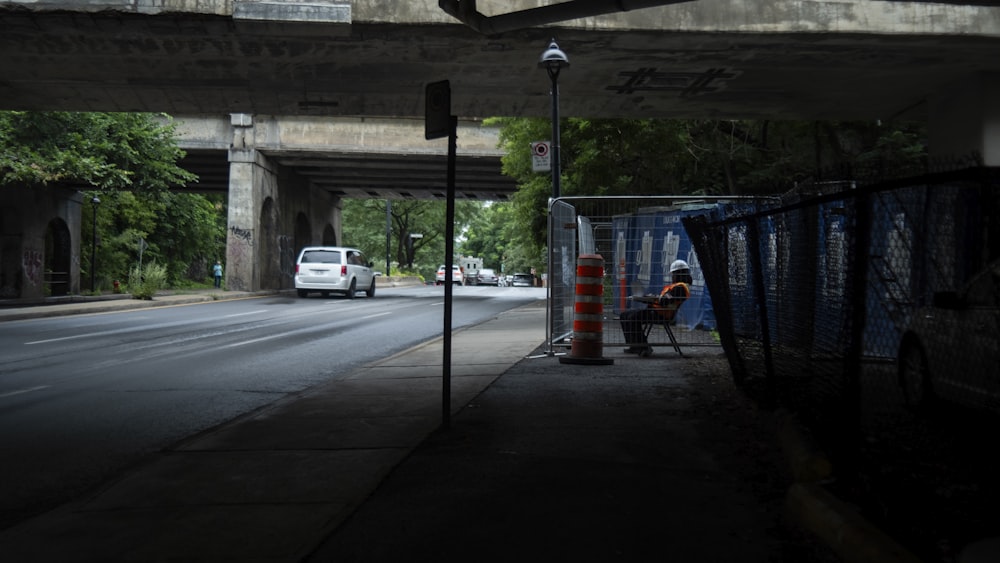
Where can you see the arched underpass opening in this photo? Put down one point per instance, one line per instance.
(58, 256)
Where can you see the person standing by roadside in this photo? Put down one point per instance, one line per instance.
(217, 272)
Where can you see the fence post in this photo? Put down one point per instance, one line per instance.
(760, 295)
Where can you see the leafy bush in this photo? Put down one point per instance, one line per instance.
(144, 283)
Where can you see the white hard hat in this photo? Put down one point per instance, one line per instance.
(679, 265)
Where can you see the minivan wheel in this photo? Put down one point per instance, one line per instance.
(371, 289)
(352, 290)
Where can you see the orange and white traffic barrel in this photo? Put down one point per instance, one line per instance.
(588, 313)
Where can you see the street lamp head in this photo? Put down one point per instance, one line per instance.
(95, 200)
(553, 59)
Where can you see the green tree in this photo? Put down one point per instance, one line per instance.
(129, 161)
(109, 151)
(365, 228)
(494, 236)
(184, 233)
(697, 157)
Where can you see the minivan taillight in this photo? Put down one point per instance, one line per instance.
(296, 268)
(343, 271)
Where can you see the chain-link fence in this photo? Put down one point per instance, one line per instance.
(873, 314)
(815, 296)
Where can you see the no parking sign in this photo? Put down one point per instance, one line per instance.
(540, 160)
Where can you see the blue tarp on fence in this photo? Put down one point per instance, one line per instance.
(647, 242)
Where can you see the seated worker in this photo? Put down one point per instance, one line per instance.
(662, 307)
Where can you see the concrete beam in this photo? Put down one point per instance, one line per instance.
(311, 12)
(318, 135)
(348, 157)
(751, 16)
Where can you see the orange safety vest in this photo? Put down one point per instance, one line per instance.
(670, 310)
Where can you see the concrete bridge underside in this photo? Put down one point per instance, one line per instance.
(865, 59)
(349, 157)
(364, 59)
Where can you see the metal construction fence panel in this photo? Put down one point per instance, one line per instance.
(817, 297)
(637, 238)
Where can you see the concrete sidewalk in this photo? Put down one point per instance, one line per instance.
(542, 460)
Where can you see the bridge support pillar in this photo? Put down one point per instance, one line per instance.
(966, 119)
(250, 175)
(273, 212)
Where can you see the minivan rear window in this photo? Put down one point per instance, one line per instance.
(321, 257)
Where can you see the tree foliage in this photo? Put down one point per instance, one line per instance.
(364, 223)
(495, 236)
(109, 151)
(638, 157)
(129, 162)
(184, 233)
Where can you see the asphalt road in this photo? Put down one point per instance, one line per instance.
(83, 397)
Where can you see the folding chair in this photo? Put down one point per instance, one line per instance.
(648, 327)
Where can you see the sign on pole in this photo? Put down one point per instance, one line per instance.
(540, 159)
(437, 110)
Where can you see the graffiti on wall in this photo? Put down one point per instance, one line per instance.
(240, 258)
(245, 235)
(32, 261)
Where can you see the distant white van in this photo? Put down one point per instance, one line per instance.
(333, 269)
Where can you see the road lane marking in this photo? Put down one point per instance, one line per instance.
(285, 334)
(243, 314)
(76, 336)
(348, 305)
(23, 391)
(376, 315)
(254, 341)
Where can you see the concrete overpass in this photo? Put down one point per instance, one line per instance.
(759, 59)
(354, 157)
(285, 178)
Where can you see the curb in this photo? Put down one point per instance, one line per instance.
(811, 507)
(840, 527)
(125, 303)
(393, 281)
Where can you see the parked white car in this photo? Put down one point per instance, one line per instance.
(457, 275)
(333, 269)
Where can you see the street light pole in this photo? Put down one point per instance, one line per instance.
(554, 60)
(94, 201)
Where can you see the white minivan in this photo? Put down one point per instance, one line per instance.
(333, 269)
